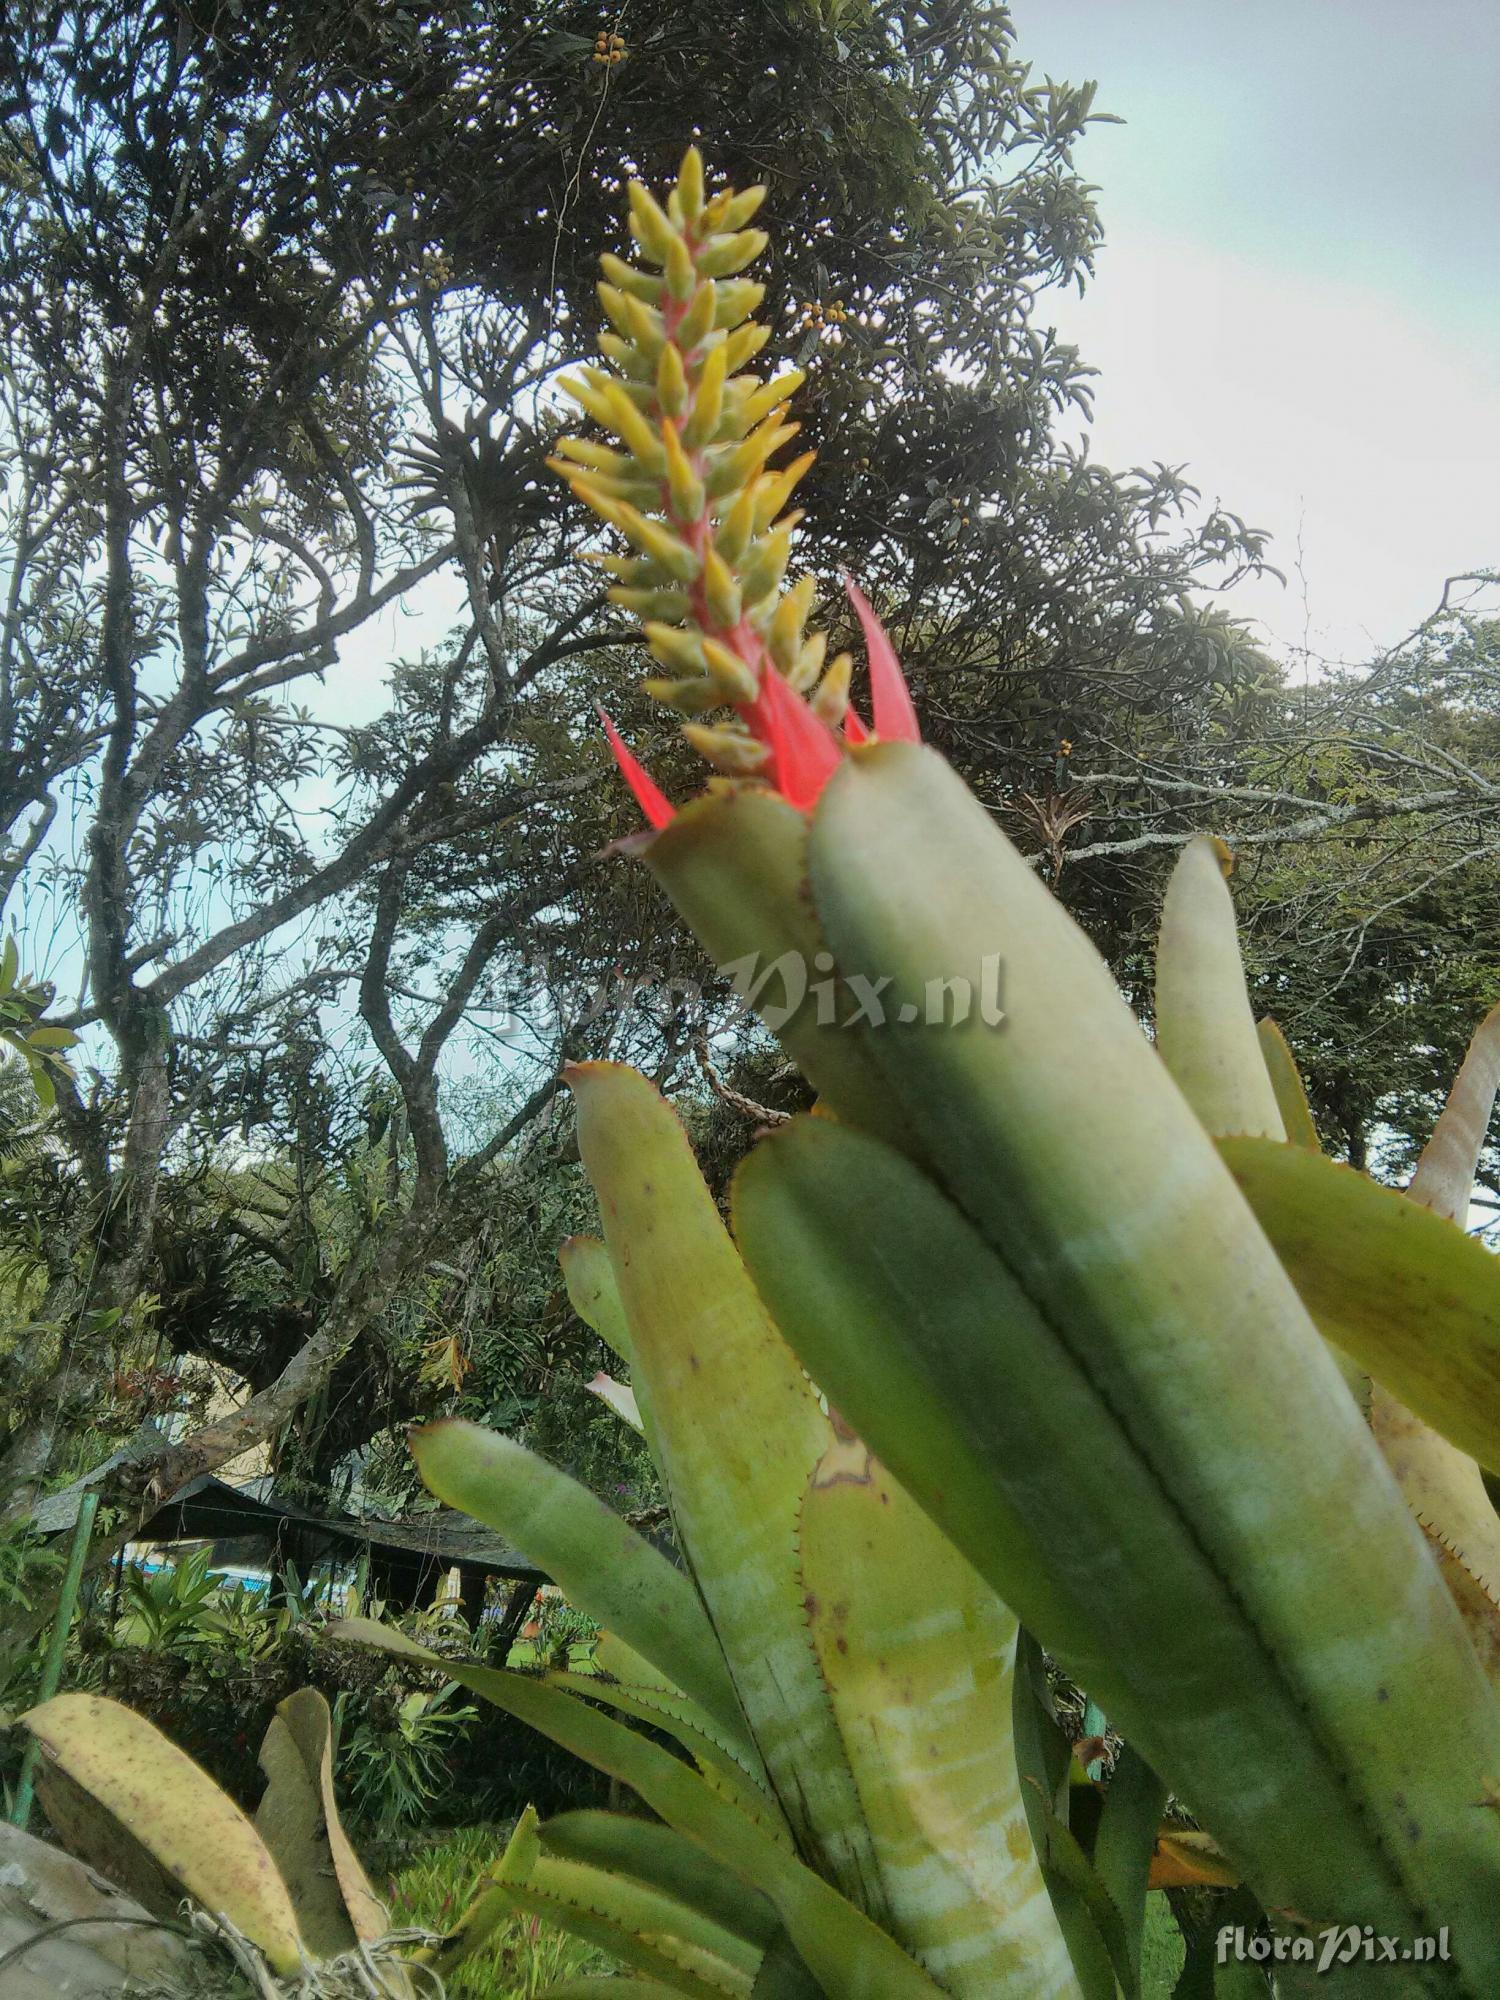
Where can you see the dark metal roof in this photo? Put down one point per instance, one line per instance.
(57, 1511)
(210, 1510)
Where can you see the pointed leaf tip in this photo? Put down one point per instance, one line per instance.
(652, 801)
(890, 698)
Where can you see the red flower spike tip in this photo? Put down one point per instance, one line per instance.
(651, 799)
(890, 698)
(854, 728)
(804, 750)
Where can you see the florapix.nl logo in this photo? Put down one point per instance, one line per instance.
(777, 989)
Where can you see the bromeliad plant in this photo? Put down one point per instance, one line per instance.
(1030, 1321)
(1109, 1346)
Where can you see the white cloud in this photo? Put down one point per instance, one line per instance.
(1325, 411)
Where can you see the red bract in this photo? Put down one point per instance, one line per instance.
(891, 707)
(649, 796)
(804, 751)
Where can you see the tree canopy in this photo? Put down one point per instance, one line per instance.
(303, 796)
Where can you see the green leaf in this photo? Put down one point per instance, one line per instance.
(490, 1907)
(670, 1862)
(593, 1293)
(622, 1663)
(916, 1650)
(1286, 1082)
(1096, 1535)
(289, 1819)
(1125, 1841)
(619, 1397)
(1410, 1296)
(49, 1037)
(729, 1766)
(1205, 1030)
(1043, 1760)
(650, 1932)
(309, 1727)
(734, 863)
(737, 1429)
(843, 1948)
(603, 1565)
(783, 1974)
(1444, 1180)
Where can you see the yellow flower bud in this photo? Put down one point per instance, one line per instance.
(720, 591)
(740, 208)
(722, 256)
(681, 273)
(655, 541)
(637, 436)
(744, 344)
(764, 567)
(649, 223)
(683, 484)
(640, 284)
(731, 676)
(674, 647)
(804, 671)
(598, 457)
(770, 395)
(831, 697)
(738, 463)
(697, 322)
(613, 301)
(693, 696)
(595, 487)
(629, 569)
(788, 620)
(728, 749)
(627, 357)
(729, 210)
(708, 400)
(774, 490)
(737, 298)
(672, 390)
(690, 184)
(670, 605)
(591, 491)
(646, 326)
(738, 525)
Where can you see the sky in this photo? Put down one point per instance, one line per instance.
(1299, 292)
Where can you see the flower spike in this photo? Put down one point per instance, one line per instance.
(649, 796)
(690, 484)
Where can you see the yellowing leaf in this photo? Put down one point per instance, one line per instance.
(172, 1808)
(1411, 1297)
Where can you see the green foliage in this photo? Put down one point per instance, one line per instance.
(521, 1958)
(41, 1044)
(26, 1562)
(169, 1607)
(393, 1751)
